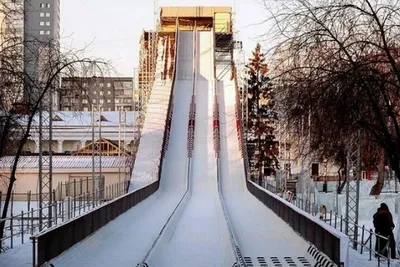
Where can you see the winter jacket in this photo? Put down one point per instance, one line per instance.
(383, 222)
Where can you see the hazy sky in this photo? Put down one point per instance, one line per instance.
(112, 29)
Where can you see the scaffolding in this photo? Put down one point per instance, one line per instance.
(145, 74)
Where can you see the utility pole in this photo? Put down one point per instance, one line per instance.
(45, 57)
(353, 175)
(45, 160)
(96, 150)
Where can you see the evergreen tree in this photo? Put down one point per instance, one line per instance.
(262, 118)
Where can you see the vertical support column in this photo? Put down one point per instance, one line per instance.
(96, 149)
(60, 146)
(45, 159)
(353, 174)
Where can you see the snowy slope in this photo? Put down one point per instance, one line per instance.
(260, 233)
(201, 237)
(124, 241)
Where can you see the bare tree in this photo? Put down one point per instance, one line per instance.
(339, 63)
(24, 94)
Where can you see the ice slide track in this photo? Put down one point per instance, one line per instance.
(190, 147)
(240, 262)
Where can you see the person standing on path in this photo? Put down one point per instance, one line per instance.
(383, 223)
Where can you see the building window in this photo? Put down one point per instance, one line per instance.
(109, 109)
(47, 23)
(42, 23)
(108, 85)
(108, 100)
(48, 14)
(101, 101)
(84, 84)
(48, 32)
(41, 5)
(41, 32)
(94, 101)
(109, 92)
(84, 101)
(101, 92)
(101, 84)
(41, 14)
(117, 101)
(95, 92)
(48, 5)
(85, 109)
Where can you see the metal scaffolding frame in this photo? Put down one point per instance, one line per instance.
(145, 74)
(353, 175)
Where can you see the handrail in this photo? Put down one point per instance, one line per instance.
(23, 223)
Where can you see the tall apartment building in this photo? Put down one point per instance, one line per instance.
(36, 25)
(41, 27)
(42, 37)
(112, 93)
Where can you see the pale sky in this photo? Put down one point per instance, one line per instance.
(112, 29)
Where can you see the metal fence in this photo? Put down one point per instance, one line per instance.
(19, 227)
(366, 238)
(51, 243)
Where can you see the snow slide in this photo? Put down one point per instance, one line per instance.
(261, 235)
(126, 240)
(201, 237)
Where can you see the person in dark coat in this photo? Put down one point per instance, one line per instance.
(383, 223)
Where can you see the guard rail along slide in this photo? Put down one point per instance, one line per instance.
(328, 240)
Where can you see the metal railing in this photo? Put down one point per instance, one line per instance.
(324, 240)
(365, 236)
(19, 227)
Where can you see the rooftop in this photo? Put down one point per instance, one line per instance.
(84, 118)
(66, 162)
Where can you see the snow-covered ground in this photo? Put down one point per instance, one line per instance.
(368, 206)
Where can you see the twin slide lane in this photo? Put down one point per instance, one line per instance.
(183, 223)
(200, 236)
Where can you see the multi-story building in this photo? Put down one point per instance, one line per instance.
(29, 31)
(41, 35)
(41, 27)
(110, 93)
